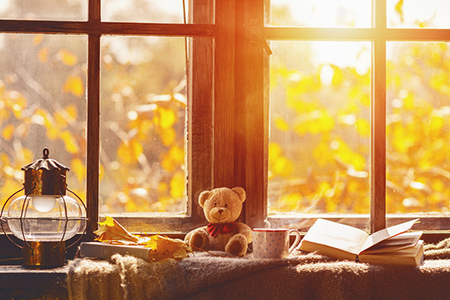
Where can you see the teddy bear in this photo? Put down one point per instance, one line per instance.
(222, 207)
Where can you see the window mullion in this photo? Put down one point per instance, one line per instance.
(378, 121)
(200, 108)
(93, 120)
(224, 95)
(251, 111)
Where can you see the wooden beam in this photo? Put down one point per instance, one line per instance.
(251, 110)
(93, 121)
(378, 122)
(224, 95)
(110, 28)
(200, 108)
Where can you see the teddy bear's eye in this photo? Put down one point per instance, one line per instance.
(226, 205)
(215, 204)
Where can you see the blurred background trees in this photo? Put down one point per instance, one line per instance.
(320, 118)
(320, 114)
(143, 104)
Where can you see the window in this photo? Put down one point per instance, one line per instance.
(317, 108)
(104, 86)
(357, 112)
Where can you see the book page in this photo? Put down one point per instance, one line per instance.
(412, 256)
(386, 233)
(398, 242)
(336, 235)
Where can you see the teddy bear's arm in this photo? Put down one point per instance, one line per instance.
(245, 230)
(198, 238)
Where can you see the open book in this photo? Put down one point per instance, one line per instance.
(393, 245)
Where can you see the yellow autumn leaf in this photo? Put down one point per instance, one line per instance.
(436, 123)
(71, 112)
(8, 132)
(70, 142)
(38, 39)
(274, 151)
(162, 187)
(43, 55)
(43, 117)
(67, 57)
(168, 247)
(280, 123)
(65, 117)
(78, 168)
(338, 76)
(74, 85)
(281, 166)
(173, 158)
(111, 230)
(363, 127)
(177, 185)
(123, 154)
(321, 153)
(60, 119)
(137, 148)
(130, 151)
(167, 116)
(9, 187)
(168, 137)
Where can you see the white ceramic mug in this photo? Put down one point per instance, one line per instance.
(273, 242)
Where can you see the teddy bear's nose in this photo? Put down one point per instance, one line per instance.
(220, 211)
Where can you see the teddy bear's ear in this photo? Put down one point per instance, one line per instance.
(203, 197)
(240, 192)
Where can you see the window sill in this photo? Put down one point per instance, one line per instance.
(17, 282)
(248, 278)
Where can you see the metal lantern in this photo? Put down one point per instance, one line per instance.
(45, 217)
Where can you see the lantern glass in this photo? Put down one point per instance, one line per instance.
(44, 218)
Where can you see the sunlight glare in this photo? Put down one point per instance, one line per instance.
(328, 13)
(4, 5)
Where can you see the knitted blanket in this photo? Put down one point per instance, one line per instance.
(300, 276)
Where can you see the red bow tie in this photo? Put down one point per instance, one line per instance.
(215, 228)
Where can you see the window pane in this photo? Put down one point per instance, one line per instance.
(42, 104)
(418, 13)
(418, 127)
(61, 10)
(321, 13)
(152, 11)
(143, 102)
(319, 127)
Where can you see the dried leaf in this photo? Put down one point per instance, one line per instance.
(112, 232)
(168, 248)
(110, 229)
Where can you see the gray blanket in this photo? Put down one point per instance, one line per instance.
(301, 276)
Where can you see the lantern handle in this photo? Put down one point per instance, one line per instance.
(85, 210)
(66, 220)
(23, 213)
(1, 219)
(45, 153)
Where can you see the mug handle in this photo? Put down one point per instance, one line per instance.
(297, 239)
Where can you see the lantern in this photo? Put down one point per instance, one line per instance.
(45, 217)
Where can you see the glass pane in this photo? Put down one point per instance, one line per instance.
(42, 104)
(418, 127)
(418, 13)
(55, 10)
(321, 13)
(143, 102)
(319, 127)
(153, 11)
